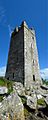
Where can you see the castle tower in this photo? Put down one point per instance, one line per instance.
(23, 64)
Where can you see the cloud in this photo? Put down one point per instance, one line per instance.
(44, 73)
(10, 31)
(2, 71)
(3, 18)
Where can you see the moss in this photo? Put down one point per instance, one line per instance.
(1, 98)
(24, 100)
(10, 90)
(41, 102)
(26, 111)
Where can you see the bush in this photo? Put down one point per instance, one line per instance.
(45, 81)
(41, 102)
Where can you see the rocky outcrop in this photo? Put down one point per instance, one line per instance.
(3, 90)
(19, 88)
(46, 100)
(12, 108)
(32, 101)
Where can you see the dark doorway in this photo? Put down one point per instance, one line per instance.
(13, 75)
(33, 77)
(8, 78)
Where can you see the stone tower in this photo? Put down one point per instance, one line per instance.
(23, 64)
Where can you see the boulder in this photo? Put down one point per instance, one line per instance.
(12, 108)
(3, 90)
(46, 100)
(39, 96)
(32, 101)
(19, 88)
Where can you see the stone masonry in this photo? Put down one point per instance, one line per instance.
(23, 64)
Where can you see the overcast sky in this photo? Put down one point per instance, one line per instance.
(35, 13)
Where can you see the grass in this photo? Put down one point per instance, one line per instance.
(6, 83)
(24, 100)
(26, 112)
(1, 98)
(2, 82)
(41, 102)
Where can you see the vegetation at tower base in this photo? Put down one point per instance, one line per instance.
(41, 102)
(7, 84)
(45, 81)
(10, 106)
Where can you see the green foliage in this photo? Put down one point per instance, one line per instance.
(41, 102)
(24, 100)
(1, 98)
(7, 83)
(45, 81)
(2, 82)
(26, 111)
(10, 89)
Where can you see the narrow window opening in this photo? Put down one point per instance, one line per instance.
(8, 78)
(33, 62)
(33, 77)
(17, 55)
(13, 75)
(33, 38)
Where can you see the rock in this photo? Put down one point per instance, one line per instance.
(40, 114)
(44, 87)
(39, 96)
(19, 88)
(12, 108)
(3, 90)
(46, 100)
(32, 101)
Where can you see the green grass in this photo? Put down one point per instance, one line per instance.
(7, 83)
(1, 98)
(26, 111)
(2, 82)
(41, 102)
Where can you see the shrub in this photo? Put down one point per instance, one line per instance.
(41, 102)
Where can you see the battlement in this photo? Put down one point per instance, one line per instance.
(23, 24)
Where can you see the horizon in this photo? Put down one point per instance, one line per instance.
(12, 13)
(43, 72)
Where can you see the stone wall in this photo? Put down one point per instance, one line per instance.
(23, 64)
(32, 70)
(15, 62)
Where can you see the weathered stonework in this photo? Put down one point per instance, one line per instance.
(23, 64)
